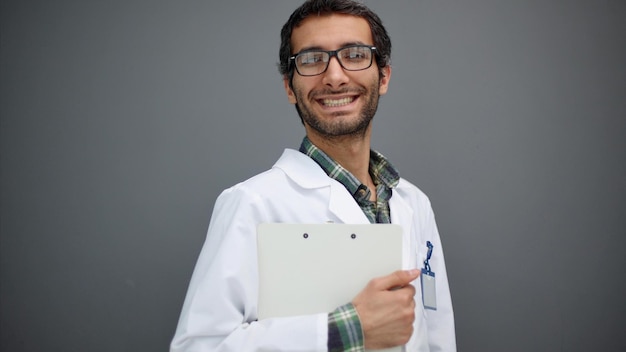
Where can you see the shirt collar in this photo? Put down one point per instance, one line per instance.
(380, 169)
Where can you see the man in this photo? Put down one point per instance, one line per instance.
(334, 59)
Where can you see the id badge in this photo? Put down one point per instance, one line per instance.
(427, 279)
(429, 289)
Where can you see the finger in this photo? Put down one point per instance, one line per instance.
(407, 292)
(412, 288)
(396, 279)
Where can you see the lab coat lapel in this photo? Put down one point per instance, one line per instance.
(308, 174)
(402, 214)
(343, 205)
(401, 211)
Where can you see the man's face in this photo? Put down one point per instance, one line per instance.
(337, 102)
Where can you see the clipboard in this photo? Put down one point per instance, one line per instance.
(315, 268)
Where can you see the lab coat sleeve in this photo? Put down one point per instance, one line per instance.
(220, 308)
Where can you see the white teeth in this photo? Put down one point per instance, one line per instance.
(337, 102)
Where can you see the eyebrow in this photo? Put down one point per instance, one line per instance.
(315, 48)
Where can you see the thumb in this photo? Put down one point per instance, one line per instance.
(397, 279)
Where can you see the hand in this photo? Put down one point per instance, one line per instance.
(386, 309)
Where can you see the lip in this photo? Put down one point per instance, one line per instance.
(337, 102)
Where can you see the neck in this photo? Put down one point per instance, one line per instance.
(352, 152)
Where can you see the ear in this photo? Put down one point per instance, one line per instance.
(384, 80)
(290, 94)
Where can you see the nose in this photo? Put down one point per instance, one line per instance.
(335, 76)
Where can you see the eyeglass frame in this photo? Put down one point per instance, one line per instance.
(331, 54)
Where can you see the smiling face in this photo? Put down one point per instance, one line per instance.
(337, 102)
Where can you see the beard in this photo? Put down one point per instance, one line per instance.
(340, 127)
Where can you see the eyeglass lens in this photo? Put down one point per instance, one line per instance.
(354, 58)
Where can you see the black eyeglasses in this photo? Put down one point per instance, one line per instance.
(351, 58)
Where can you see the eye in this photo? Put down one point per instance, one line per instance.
(355, 54)
(311, 58)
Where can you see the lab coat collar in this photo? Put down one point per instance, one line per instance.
(302, 169)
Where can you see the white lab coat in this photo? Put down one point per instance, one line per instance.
(220, 309)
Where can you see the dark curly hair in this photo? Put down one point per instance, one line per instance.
(382, 42)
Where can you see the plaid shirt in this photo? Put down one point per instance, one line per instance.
(344, 326)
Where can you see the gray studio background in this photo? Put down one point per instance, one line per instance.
(121, 121)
